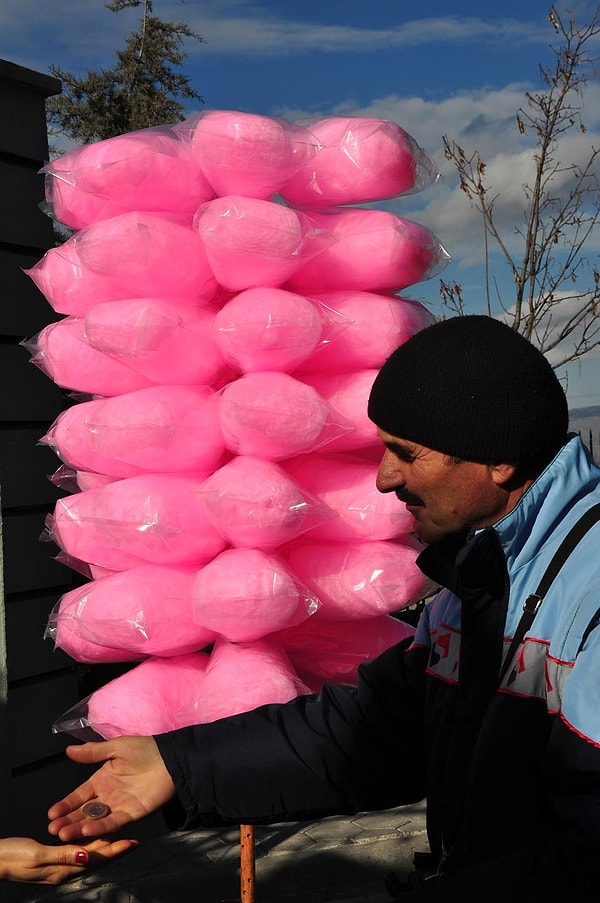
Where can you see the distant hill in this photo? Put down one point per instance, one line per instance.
(586, 421)
(585, 418)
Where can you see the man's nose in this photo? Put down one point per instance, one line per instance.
(389, 475)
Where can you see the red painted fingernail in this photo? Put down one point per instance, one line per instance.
(81, 857)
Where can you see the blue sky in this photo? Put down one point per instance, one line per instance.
(458, 68)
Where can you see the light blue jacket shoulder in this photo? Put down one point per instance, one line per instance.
(560, 660)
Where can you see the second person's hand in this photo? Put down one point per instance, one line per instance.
(24, 859)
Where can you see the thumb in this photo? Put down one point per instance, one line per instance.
(96, 751)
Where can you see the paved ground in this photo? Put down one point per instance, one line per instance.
(338, 859)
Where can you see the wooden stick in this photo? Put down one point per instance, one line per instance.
(247, 864)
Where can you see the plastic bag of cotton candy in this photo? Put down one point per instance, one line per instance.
(224, 305)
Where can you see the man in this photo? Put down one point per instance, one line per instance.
(474, 424)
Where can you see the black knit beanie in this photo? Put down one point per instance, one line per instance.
(473, 388)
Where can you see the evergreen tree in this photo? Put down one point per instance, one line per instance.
(143, 89)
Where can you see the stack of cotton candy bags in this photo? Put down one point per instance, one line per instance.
(223, 306)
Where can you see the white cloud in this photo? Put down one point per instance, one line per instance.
(483, 121)
(256, 33)
(37, 32)
(77, 37)
(87, 34)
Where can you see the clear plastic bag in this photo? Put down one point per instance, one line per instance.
(148, 169)
(359, 159)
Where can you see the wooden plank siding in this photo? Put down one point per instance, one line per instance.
(39, 683)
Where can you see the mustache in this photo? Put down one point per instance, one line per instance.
(408, 498)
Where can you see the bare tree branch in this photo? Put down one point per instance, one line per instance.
(555, 269)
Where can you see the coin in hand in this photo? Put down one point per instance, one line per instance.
(95, 809)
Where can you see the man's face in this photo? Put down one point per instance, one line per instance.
(443, 495)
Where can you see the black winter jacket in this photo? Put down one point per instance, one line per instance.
(511, 772)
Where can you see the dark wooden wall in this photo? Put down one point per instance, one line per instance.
(39, 683)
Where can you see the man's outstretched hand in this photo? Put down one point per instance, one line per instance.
(132, 783)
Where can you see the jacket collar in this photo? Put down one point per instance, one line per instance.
(465, 564)
(503, 551)
(550, 500)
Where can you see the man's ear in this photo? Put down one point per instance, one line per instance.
(502, 474)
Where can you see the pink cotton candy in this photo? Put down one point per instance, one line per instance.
(164, 694)
(359, 159)
(153, 517)
(161, 429)
(250, 242)
(135, 255)
(68, 286)
(222, 475)
(368, 250)
(148, 169)
(61, 351)
(256, 504)
(144, 701)
(243, 676)
(331, 652)
(268, 329)
(245, 594)
(348, 395)
(145, 610)
(69, 639)
(375, 325)
(274, 416)
(153, 254)
(356, 580)
(346, 485)
(165, 341)
(245, 153)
